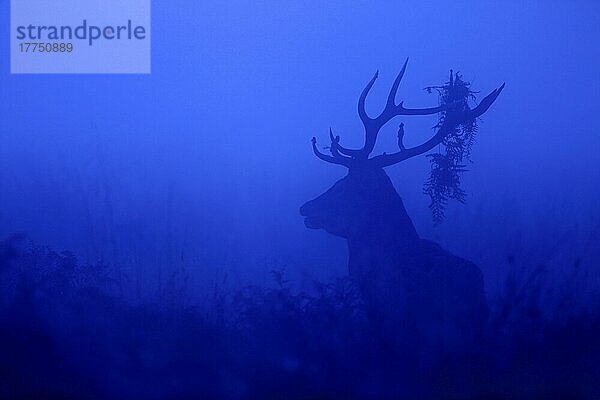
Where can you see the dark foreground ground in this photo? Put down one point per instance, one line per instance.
(67, 333)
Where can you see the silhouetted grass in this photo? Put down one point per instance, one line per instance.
(66, 332)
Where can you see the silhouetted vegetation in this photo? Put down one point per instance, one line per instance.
(448, 165)
(66, 332)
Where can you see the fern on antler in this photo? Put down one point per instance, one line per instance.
(449, 163)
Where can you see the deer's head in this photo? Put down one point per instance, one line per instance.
(365, 200)
(354, 204)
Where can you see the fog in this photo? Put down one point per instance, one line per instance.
(202, 165)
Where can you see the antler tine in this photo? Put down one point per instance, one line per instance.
(487, 101)
(449, 124)
(335, 144)
(338, 151)
(391, 110)
(385, 160)
(335, 158)
(362, 113)
(401, 137)
(391, 101)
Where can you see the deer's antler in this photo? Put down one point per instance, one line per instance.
(391, 110)
(335, 157)
(448, 126)
(452, 119)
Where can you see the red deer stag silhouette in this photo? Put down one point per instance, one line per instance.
(396, 271)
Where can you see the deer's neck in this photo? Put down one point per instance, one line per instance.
(367, 255)
(383, 245)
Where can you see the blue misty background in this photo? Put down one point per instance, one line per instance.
(203, 164)
(207, 160)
